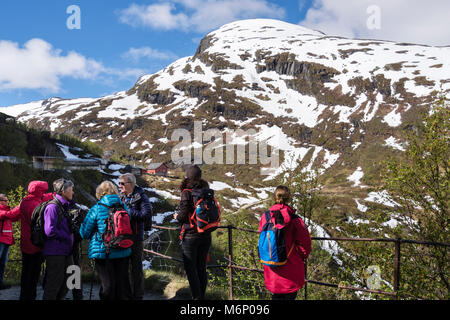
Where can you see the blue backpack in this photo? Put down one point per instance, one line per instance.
(271, 244)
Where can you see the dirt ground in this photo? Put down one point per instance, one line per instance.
(13, 293)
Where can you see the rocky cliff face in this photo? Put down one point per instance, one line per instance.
(334, 104)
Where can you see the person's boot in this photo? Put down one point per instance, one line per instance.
(77, 294)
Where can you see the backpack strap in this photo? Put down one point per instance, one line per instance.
(294, 216)
(268, 216)
(115, 205)
(98, 231)
(61, 211)
(104, 205)
(278, 217)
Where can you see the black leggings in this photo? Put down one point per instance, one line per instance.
(195, 251)
(31, 270)
(287, 296)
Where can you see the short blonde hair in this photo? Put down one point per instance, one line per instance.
(282, 195)
(105, 188)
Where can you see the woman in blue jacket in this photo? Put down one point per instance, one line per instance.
(112, 268)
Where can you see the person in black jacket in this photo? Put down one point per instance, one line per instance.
(194, 245)
(141, 219)
(77, 216)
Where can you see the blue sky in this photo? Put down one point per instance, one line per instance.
(40, 57)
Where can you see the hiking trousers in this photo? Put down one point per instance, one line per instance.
(55, 286)
(137, 273)
(77, 294)
(29, 277)
(114, 278)
(4, 249)
(194, 252)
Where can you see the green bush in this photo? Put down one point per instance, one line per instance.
(420, 185)
(14, 265)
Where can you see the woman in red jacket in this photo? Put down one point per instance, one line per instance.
(7, 217)
(286, 280)
(32, 257)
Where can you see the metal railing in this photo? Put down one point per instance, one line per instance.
(231, 265)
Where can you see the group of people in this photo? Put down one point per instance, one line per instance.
(64, 231)
(65, 228)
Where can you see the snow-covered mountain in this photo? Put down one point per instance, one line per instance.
(331, 102)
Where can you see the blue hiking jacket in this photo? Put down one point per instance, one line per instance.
(94, 225)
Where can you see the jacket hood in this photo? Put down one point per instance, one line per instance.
(286, 212)
(37, 188)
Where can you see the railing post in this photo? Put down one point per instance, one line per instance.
(230, 259)
(397, 267)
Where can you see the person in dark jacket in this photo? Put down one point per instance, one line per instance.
(141, 216)
(112, 268)
(59, 241)
(7, 217)
(194, 246)
(77, 215)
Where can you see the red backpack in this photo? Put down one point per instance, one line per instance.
(118, 233)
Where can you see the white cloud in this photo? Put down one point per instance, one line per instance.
(196, 15)
(157, 16)
(37, 65)
(414, 21)
(137, 54)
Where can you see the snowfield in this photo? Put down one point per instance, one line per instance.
(422, 68)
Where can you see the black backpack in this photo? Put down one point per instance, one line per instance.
(38, 236)
(206, 215)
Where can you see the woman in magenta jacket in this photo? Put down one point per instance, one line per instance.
(285, 281)
(32, 257)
